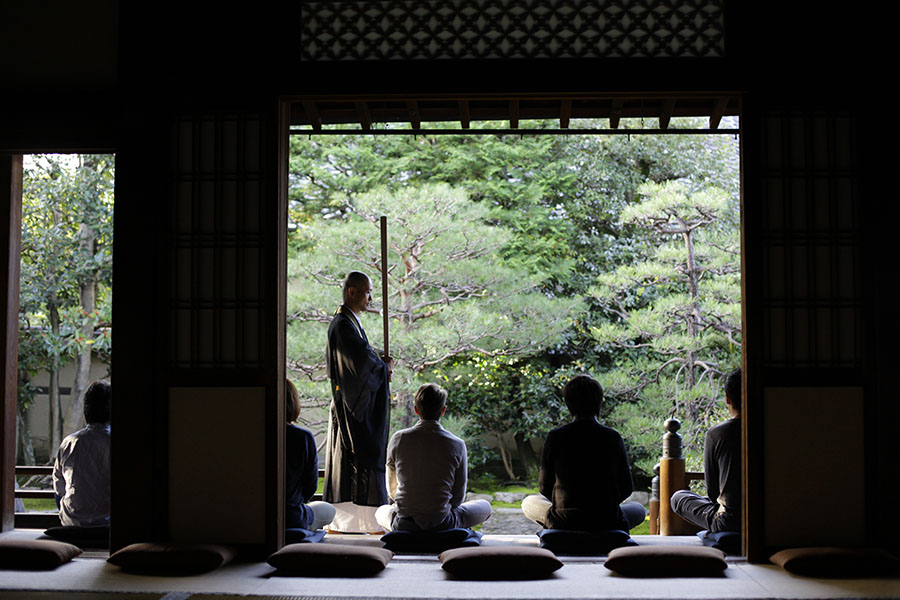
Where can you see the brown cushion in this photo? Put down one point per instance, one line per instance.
(327, 560)
(171, 559)
(500, 562)
(666, 561)
(35, 554)
(837, 562)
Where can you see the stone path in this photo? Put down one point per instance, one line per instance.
(509, 521)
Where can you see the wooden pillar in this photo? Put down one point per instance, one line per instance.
(671, 479)
(200, 331)
(11, 226)
(808, 328)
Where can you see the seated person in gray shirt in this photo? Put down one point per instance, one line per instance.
(721, 509)
(81, 469)
(426, 473)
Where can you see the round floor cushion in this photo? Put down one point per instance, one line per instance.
(837, 562)
(666, 561)
(35, 554)
(500, 562)
(163, 558)
(330, 560)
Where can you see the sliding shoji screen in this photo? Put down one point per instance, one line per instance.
(805, 349)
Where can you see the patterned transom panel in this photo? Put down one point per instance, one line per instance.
(501, 29)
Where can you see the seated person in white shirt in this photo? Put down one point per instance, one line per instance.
(81, 470)
(426, 474)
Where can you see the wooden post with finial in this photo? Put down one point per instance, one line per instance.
(671, 479)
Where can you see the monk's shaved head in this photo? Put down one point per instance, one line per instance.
(356, 279)
(357, 291)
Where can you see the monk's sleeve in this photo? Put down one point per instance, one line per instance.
(358, 370)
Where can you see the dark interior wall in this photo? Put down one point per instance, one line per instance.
(58, 74)
(144, 69)
(880, 271)
(49, 46)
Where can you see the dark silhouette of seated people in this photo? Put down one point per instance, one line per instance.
(301, 471)
(81, 469)
(585, 474)
(427, 467)
(721, 509)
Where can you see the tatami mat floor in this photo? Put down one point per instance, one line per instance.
(422, 577)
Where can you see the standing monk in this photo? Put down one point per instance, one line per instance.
(358, 423)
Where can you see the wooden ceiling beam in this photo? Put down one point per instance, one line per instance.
(718, 111)
(565, 113)
(464, 119)
(367, 112)
(312, 114)
(363, 115)
(665, 113)
(415, 119)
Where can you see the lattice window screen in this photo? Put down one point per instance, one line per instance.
(217, 242)
(812, 300)
(489, 29)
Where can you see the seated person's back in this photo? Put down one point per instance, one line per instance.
(720, 510)
(427, 473)
(584, 470)
(81, 469)
(585, 474)
(301, 471)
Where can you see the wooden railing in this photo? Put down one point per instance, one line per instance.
(42, 470)
(44, 520)
(670, 477)
(35, 520)
(318, 497)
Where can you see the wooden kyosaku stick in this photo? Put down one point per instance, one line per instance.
(384, 285)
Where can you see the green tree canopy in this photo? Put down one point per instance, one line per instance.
(66, 272)
(676, 316)
(450, 290)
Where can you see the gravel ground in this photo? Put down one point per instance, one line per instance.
(509, 521)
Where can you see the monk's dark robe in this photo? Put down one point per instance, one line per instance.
(358, 419)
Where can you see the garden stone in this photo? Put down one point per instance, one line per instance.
(640, 497)
(509, 496)
(473, 496)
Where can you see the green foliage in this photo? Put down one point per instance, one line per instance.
(675, 317)
(572, 217)
(451, 292)
(66, 200)
(40, 505)
(505, 395)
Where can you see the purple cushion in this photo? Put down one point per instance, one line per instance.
(566, 542)
(431, 541)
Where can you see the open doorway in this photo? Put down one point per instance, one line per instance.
(661, 344)
(65, 305)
